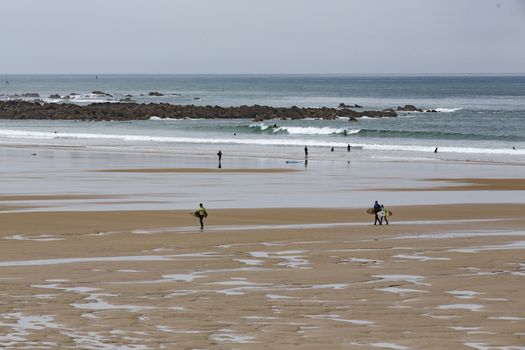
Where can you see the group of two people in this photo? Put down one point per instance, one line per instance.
(380, 213)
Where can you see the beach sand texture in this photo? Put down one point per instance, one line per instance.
(449, 276)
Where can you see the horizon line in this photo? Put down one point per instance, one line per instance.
(275, 74)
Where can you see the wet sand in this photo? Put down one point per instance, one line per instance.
(202, 170)
(447, 276)
(472, 184)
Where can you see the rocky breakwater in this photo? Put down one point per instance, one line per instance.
(19, 109)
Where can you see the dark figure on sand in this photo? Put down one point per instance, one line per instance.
(377, 210)
(305, 152)
(348, 148)
(201, 213)
(219, 154)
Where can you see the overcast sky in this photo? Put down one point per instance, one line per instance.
(262, 36)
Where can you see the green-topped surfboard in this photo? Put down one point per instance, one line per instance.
(371, 211)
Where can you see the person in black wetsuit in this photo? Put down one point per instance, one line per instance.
(201, 213)
(305, 152)
(377, 209)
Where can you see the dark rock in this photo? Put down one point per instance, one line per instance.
(30, 94)
(155, 93)
(19, 109)
(409, 108)
(343, 105)
(101, 93)
(125, 100)
(55, 96)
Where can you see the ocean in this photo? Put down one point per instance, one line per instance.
(478, 118)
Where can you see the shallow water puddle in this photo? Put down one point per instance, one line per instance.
(292, 258)
(228, 336)
(471, 307)
(40, 238)
(508, 246)
(338, 318)
(401, 278)
(464, 294)
(417, 257)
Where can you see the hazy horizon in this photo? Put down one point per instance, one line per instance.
(272, 37)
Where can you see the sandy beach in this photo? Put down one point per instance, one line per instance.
(99, 251)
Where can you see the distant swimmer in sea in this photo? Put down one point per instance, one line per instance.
(345, 132)
(436, 150)
(305, 152)
(514, 147)
(275, 125)
(331, 149)
(348, 148)
(201, 213)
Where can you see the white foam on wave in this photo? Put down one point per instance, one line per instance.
(448, 110)
(155, 118)
(310, 130)
(26, 134)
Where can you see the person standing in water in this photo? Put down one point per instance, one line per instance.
(305, 152)
(348, 148)
(201, 213)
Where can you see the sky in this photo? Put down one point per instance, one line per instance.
(262, 36)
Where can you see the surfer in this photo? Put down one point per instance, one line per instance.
(305, 152)
(377, 210)
(201, 213)
(436, 150)
(385, 214)
(331, 149)
(348, 148)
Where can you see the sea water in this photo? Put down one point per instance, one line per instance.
(477, 118)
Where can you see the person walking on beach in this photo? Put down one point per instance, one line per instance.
(385, 214)
(305, 152)
(377, 210)
(219, 154)
(201, 213)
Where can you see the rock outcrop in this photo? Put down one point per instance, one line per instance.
(344, 105)
(409, 108)
(19, 109)
(30, 94)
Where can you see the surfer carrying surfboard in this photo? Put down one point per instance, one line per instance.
(377, 210)
(384, 214)
(201, 213)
